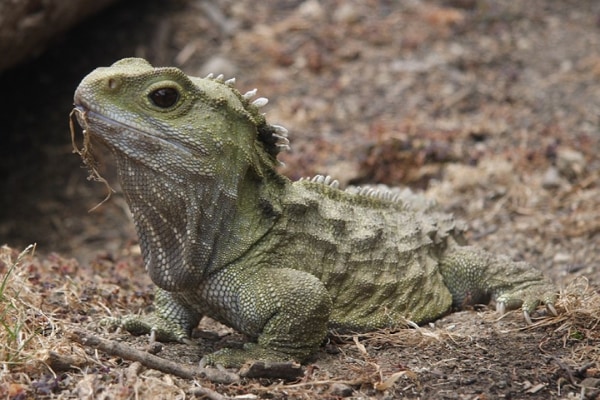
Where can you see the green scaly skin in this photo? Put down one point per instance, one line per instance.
(224, 235)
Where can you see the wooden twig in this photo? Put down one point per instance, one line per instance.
(209, 394)
(151, 361)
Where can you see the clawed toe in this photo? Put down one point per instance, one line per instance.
(549, 307)
(528, 309)
(501, 307)
(203, 362)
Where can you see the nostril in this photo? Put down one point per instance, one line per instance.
(112, 83)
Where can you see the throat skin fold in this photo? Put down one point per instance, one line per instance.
(192, 227)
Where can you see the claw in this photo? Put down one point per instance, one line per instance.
(203, 362)
(527, 317)
(551, 309)
(500, 307)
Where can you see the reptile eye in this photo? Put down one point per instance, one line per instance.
(164, 97)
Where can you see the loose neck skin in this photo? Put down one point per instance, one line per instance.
(196, 161)
(191, 224)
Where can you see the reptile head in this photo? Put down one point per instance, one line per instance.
(142, 111)
(184, 147)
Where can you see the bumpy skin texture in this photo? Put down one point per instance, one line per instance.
(224, 235)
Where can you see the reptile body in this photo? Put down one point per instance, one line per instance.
(223, 234)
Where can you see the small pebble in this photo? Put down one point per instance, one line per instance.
(570, 163)
(340, 389)
(561, 258)
(347, 13)
(551, 179)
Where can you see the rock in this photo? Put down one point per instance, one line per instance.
(570, 163)
(312, 9)
(347, 13)
(28, 26)
(551, 179)
(561, 258)
(341, 390)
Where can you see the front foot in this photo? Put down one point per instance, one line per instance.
(172, 321)
(235, 358)
(158, 328)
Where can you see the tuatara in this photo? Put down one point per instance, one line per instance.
(223, 234)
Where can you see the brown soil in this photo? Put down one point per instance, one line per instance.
(490, 107)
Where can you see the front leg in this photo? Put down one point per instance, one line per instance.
(285, 310)
(172, 320)
(474, 276)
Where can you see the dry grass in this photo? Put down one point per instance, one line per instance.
(38, 314)
(41, 302)
(27, 332)
(26, 328)
(579, 319)
(30, 335)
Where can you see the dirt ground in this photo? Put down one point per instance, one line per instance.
(492, 108)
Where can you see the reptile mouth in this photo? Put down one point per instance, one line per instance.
(85, 151)
(85, 113)
(87, 118)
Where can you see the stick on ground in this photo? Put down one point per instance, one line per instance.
(151, 361)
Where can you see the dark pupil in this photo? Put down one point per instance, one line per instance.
(165, 97)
